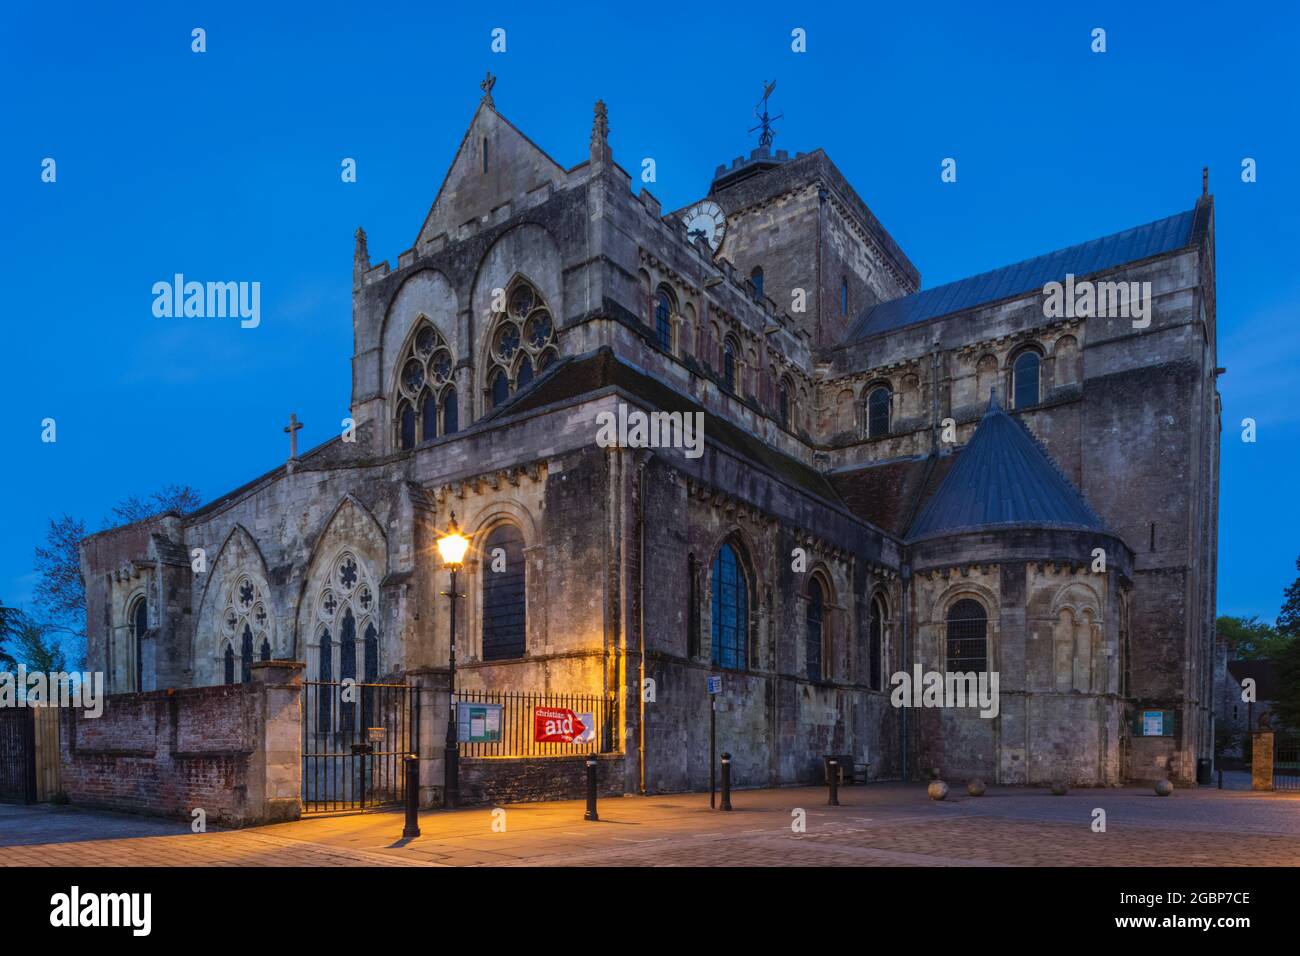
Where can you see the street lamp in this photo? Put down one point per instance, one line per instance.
(452, 547)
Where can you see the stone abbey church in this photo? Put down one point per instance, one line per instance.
(893, 479)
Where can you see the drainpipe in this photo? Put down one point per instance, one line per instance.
(903, 602)
(640, 610)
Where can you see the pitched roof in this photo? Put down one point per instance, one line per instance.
(1263, 674)
(888, 494)
(1003, 478)
(1097, 255)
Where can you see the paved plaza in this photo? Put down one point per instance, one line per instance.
(879, 825)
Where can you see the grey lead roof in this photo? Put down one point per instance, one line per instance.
(1003, 478)
(1096, 255)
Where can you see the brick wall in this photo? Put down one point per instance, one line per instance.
(485, 780)
(226, 749)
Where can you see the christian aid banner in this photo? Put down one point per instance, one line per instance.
(559, 725)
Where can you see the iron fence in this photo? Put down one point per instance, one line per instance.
(1286, 762)
(18, 754)
(517, 722)
(355, 738)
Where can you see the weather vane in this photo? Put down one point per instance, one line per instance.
(765, 121)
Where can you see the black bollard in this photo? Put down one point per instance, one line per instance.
(833, 773)
(726, 782)
(1220, 778)
(591, 790)
(412, 828)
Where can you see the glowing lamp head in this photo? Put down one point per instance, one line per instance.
(453, 545)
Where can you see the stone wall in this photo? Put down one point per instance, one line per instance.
(232, 751)
(494, 780)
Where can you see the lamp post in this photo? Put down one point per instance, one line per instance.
(452, 547)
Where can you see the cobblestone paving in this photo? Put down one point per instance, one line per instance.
(881, 825)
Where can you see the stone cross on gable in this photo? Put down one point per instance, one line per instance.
(292, 429)
(489, 81)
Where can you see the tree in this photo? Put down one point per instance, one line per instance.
(1288, 621)
(1251, 638)
(1286, 670)
(60, 591)
(34, 647)
(10, 618)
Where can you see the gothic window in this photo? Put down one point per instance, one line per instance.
(844, 297)
(729, 364)
(246, 622)
(370, 674)
(783, 403)
(246, 655)
(346, 605)
(664, 320)
(730, 610)
(756, 280)
(878, 412)
(139, 624)
(967, 642)
(325, 673)
(229, 663)
(813, 633)
(876, 642)
(1024, 379)
(426, 397)
(522, 342)
(504, 617)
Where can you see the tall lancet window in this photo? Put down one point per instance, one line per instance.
(347, 640)
(521, 345)
(246, 628)
(426, 398)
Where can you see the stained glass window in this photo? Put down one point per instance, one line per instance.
(504, 604)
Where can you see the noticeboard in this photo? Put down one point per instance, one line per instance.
(478, 723)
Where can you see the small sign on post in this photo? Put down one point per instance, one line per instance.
(715, 683)
(376, 735)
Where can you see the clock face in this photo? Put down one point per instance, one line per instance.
(706, 218)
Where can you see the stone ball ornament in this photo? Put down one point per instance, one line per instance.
(1059, 788)
(976, 787)
(1164, 788)
(937, 790)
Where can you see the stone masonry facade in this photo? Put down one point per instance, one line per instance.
(537, 297)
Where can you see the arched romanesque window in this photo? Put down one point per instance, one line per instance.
(346, 604)
(730, 610)
(814, 635)
(729, 350)
(427, 399)
(505, 618)
(876, 642)
(967, 640)
(878, 412)
(664, 320)
(522, 342)
(139, 625)
(1025, 379)
(246, 623)
(756, 280)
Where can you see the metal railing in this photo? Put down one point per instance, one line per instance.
(355, 738)
(516, 735)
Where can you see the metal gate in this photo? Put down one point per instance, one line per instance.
(18, 754)
(355, 738)
(1286, 762)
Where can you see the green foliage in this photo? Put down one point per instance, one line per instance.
(1288, 620)
(1251, 638)
(1286, 669)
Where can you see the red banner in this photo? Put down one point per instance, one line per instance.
(556, 725)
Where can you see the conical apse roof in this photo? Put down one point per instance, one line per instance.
(1003, 478)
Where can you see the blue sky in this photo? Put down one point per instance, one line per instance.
(225, 165)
